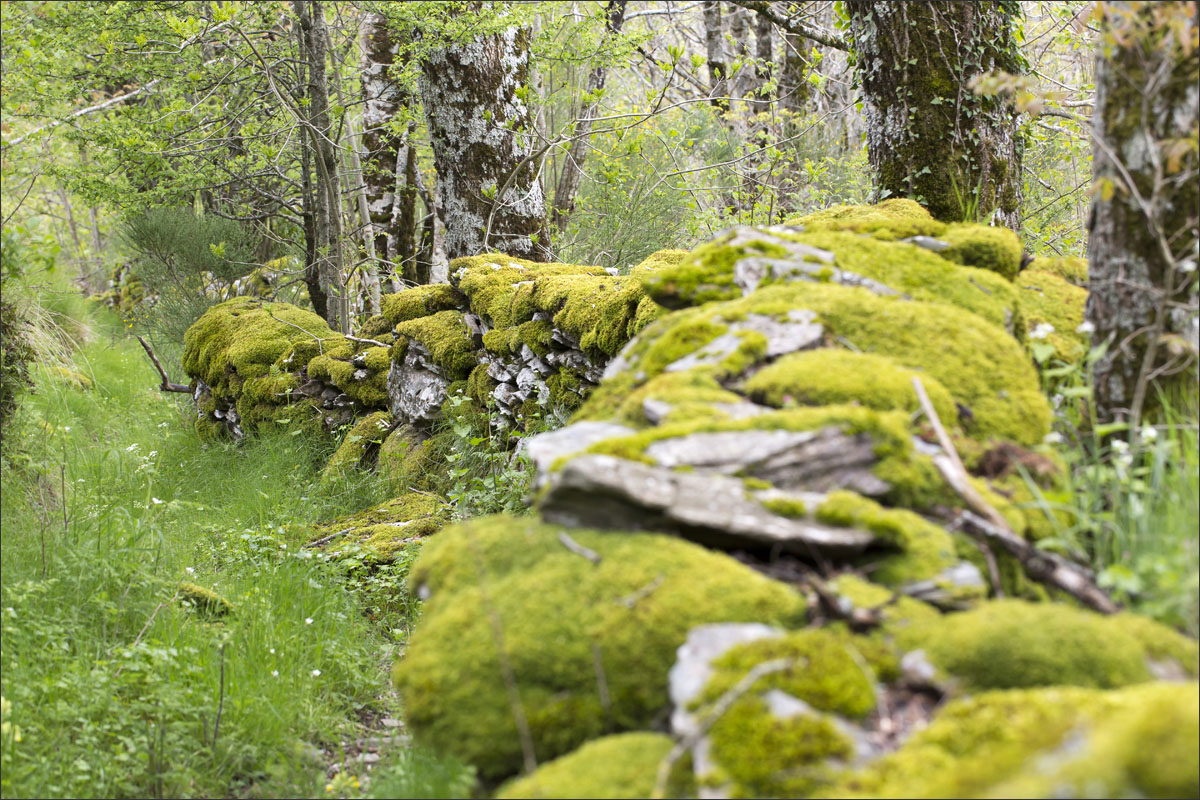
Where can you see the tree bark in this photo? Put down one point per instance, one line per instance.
(480, 129)
(928, 136)
(327, 196)
(391, 197)
(572, 171)
(794, 88)
(714, 42)
(1142, 248)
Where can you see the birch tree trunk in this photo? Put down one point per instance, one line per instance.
(480, 129)
(1142, 248)
(714, 42)
(929, 136)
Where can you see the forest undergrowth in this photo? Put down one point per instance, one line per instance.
(120, 680)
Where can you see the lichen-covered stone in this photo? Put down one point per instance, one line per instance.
(562, 620)
(1049, 742)
(386, 529)
(624, 765)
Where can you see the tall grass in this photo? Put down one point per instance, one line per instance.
(114, 685)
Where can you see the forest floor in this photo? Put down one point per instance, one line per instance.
(120, 680)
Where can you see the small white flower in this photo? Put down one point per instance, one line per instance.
(272, 651)
(1041, 330)
(308, 620)
(190, 570)
(275, 673)
(1149, 433)
(67, 428)
(163, 424)
(1086, 327)
(156, 501)
(1054, 437)
(153, 453)
(1120, 446)
(316, 673)
(1188, 266)
(131, 448)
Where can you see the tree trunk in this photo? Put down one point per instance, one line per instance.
(480, 129)
(327, 196)
(572, 171)
(929, 136)
(794, 88)
(714, 42)
(1142, 248)
(391, 197)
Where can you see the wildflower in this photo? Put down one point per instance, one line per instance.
(329, 787)
(1054, 437)
(1149, 433)
(1086, 327)
(67, 428)
(190, 570)
(153, 453)
(275, 673)
(1041, 330)
(156, 501)
(1188, 266)
(272, 651)
(131, 447)
(308, 620)
(316, 673)
(1120, 446)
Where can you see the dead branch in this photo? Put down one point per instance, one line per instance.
(578, 549)
(166, 385)
(986, 525)
(375, 342)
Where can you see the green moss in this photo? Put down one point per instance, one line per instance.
(446, 337)
(598, 312)
(624, 765)
(761, 755)
(785, 506)
(493, 285)
(407, 460)
(705, 275)
(566, 391)
(831, 376)
(897, 218)
(361, 442)
(897, 612)
(982, 367)
(386, 529)
(1159, 642)
(1052, 742)
(203, 601)
(420, 301)
(1071, 268)
(925, 548)
(1048, 299)
(1012, 643)
(921, 274)
(994, 249)
(343, 366)
(656, 262)
(560, 615)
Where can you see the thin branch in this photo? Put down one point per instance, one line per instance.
(578, 549)
(167, 385)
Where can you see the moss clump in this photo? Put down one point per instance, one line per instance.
(920, 274)
(995, 249)
(1012, 643)
(705, 275)
(925, 549)
(1161, 644)
(785, 506)
(420, 301)
(493, 285)
(897, 612)
(621, 766)
(386, 529)
(408, 460)
(657, 261)
(982, 367)
(447, 339)
(1048, 299)
(897, 218)
(690, 394)
(1071, 268)
(361, 443)
(357, 369)
(560, 615)
(203, 601)
(1052, 742)
(830, 376)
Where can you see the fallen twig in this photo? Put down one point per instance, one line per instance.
(987, 525)
(375, 342)
(167, 385)
(578, 549)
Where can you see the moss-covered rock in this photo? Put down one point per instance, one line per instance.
(1071, 268)
(409, 460)
(897, 218)
(624, 765)
(983, 368)
(445, 336)
(420, 301)
(995, 249)
(1049, 742)
(203, 601)
(1012, 643)
(1053, 311)
(356, 368)
(562, 619)
(360, 444)
(386, 529)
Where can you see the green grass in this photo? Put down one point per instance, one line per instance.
(109, 501)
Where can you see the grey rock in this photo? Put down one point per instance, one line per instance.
(546, 448)
(713, 510)
(712, 353)
(527, 380)
(655, 410)
(416, 388)
(928, 242)
(917, 670)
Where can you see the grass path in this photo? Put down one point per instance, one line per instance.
(113, 685)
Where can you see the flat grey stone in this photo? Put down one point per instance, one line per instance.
(546, 448)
